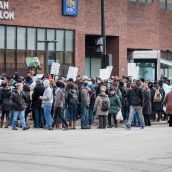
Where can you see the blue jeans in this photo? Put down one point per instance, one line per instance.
(72, 109)
(84, 117)
(47, 115)
(91, 116)
(133, 111)
(21, 116)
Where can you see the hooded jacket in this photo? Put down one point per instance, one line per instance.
(47, 97)
(5, 99)
(98, 103)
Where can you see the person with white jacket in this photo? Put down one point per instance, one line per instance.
(47, 100)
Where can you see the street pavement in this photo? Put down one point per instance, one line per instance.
(95, 150)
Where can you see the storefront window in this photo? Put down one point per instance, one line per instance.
(10, 61)
(69, 58)
(69, 41)
(59, 57)
(21, 38)
(31, 39)
(51, 37)
(21, 61)
(169, 5)
(2, 36)
(41, 37)
(60, 39)
(1, 60)
(11, 37)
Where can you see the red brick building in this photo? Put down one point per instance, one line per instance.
(130, 26)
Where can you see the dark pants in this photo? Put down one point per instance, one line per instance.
(59, 115)
(38, 117)
(170, 121)
(102, 121)
(147, 120)
(2, 118)
(110, 115)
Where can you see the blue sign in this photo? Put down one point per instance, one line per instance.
(70, 7)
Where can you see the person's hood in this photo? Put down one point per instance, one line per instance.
(46, 83)
(103, 94)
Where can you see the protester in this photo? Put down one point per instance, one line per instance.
(101, 107)
(5, 103)
(168, 103)
(135, 98)
(19, 107)
(47, 100)
(115, 105)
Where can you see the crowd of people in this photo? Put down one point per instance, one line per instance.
(56, 102)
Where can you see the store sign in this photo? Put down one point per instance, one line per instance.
(4, 13)
(70, 7)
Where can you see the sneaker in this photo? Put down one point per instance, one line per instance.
(50, 128)
(26, 128)
(142, 127)
(14, 129)
(127, 127)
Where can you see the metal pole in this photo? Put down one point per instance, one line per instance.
(103, 31)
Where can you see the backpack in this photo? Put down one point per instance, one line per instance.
(105, 105)
(157, 96)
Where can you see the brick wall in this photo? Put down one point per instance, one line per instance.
(138, 26)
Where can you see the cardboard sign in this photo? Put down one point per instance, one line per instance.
(109, 68)
(72, 73)
(55, 67)
(106, 73)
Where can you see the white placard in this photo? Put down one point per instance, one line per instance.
(39, 76)
(110, 68)
(72, 73)
(132, 70)
(55, 67)
(104, 74)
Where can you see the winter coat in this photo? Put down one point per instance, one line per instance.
(115, 104)
(5, 99)
(98, 104)
(168, 103)
(135, 97)
(47, 97)
(18, 102)
(59, 98)
(37, 92)
(147, 108)
(156, 106)
(85, 98)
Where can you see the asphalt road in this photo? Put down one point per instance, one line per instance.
(110, 150)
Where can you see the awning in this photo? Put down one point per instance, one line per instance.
(166, 62)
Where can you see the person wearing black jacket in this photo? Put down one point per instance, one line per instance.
(135, 98)
(36, 104)
(5, 104)
(19, 106)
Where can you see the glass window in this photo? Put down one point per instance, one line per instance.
(41, 37)
(133, 0)
(59, 57)
(31, 38)
(149, 1)
(1, 57)
(2, 37)
(68, 58)
(162, 4)
(11, 37)
(51, 37)
(60, 39)
(10, 59)
(142, 1)
(69, 41)
(21, 38)
(169, 4)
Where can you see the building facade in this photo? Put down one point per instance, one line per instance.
(131, 25)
